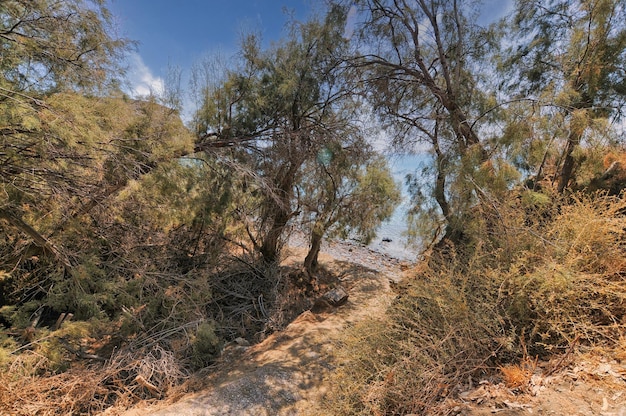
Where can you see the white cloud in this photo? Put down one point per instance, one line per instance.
(350, 22)
(142, 81)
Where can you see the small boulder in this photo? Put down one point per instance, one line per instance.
(336, 297)
(242, 342)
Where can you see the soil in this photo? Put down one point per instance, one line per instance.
(590, 384)
(286, 373)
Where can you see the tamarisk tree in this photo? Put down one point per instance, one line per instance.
(565, 58)
(277, 112)
(420, 65)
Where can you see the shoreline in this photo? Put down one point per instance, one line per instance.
(354, 252)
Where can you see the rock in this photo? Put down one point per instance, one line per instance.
(336, 297)
(242, 342)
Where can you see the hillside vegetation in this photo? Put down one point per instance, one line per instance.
(134, 247)
(535, 282)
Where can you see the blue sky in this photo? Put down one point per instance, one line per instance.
(183, 32)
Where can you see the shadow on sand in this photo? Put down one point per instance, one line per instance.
(284, 374)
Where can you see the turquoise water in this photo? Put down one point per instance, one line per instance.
(395, 228)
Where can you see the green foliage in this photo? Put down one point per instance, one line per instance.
(374, 197)
(7, 346)
(536, 201)
(50, 48)
(50, 45)
(87, 293)
(563, 59)
(195, 192)
(351, 194)
(205, 344)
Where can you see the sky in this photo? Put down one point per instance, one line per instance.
(177, 34)
(180, 33)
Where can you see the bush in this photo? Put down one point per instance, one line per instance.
(205, 345)
(440, 330)
(532, 279)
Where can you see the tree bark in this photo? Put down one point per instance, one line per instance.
(567, 170)
(440, 182)
(281, 211)
(311, 259)
(271, 242)
(573, 140)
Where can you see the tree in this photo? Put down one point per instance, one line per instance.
(49, 48)
(566, 56)
(277, 111)
(420, 66)
(110, 143)
(347, 191)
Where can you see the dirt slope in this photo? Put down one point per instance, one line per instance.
(284, 374)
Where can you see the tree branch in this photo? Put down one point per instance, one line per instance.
(38, 239)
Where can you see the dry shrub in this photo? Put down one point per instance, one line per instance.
(572, 281)
(532, 279)
(518, 376)
(436, 334)
(127, 378)
(244, 295)
(253, 299)
(153, 375)
(67, 393)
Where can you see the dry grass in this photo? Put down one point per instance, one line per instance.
(127, 378)
(533, 281)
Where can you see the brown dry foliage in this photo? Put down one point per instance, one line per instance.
(518, 376)
(127, 378)
(538, 275)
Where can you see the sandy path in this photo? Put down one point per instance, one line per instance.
(284, 374)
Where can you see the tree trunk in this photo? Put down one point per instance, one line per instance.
(281, 211)
(466, 136)
(567, 171)
(310, 261)
(271, 242)
(440, 184)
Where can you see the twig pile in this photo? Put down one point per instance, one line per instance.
(130, 376)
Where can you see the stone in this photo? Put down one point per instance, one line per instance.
(242, 342)
(336, 297)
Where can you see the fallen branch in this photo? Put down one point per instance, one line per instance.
(559, 363)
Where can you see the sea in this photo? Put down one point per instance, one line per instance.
(391, 238)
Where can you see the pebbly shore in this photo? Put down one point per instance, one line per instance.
(354, 252)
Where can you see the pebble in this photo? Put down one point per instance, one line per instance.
(353, 252)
